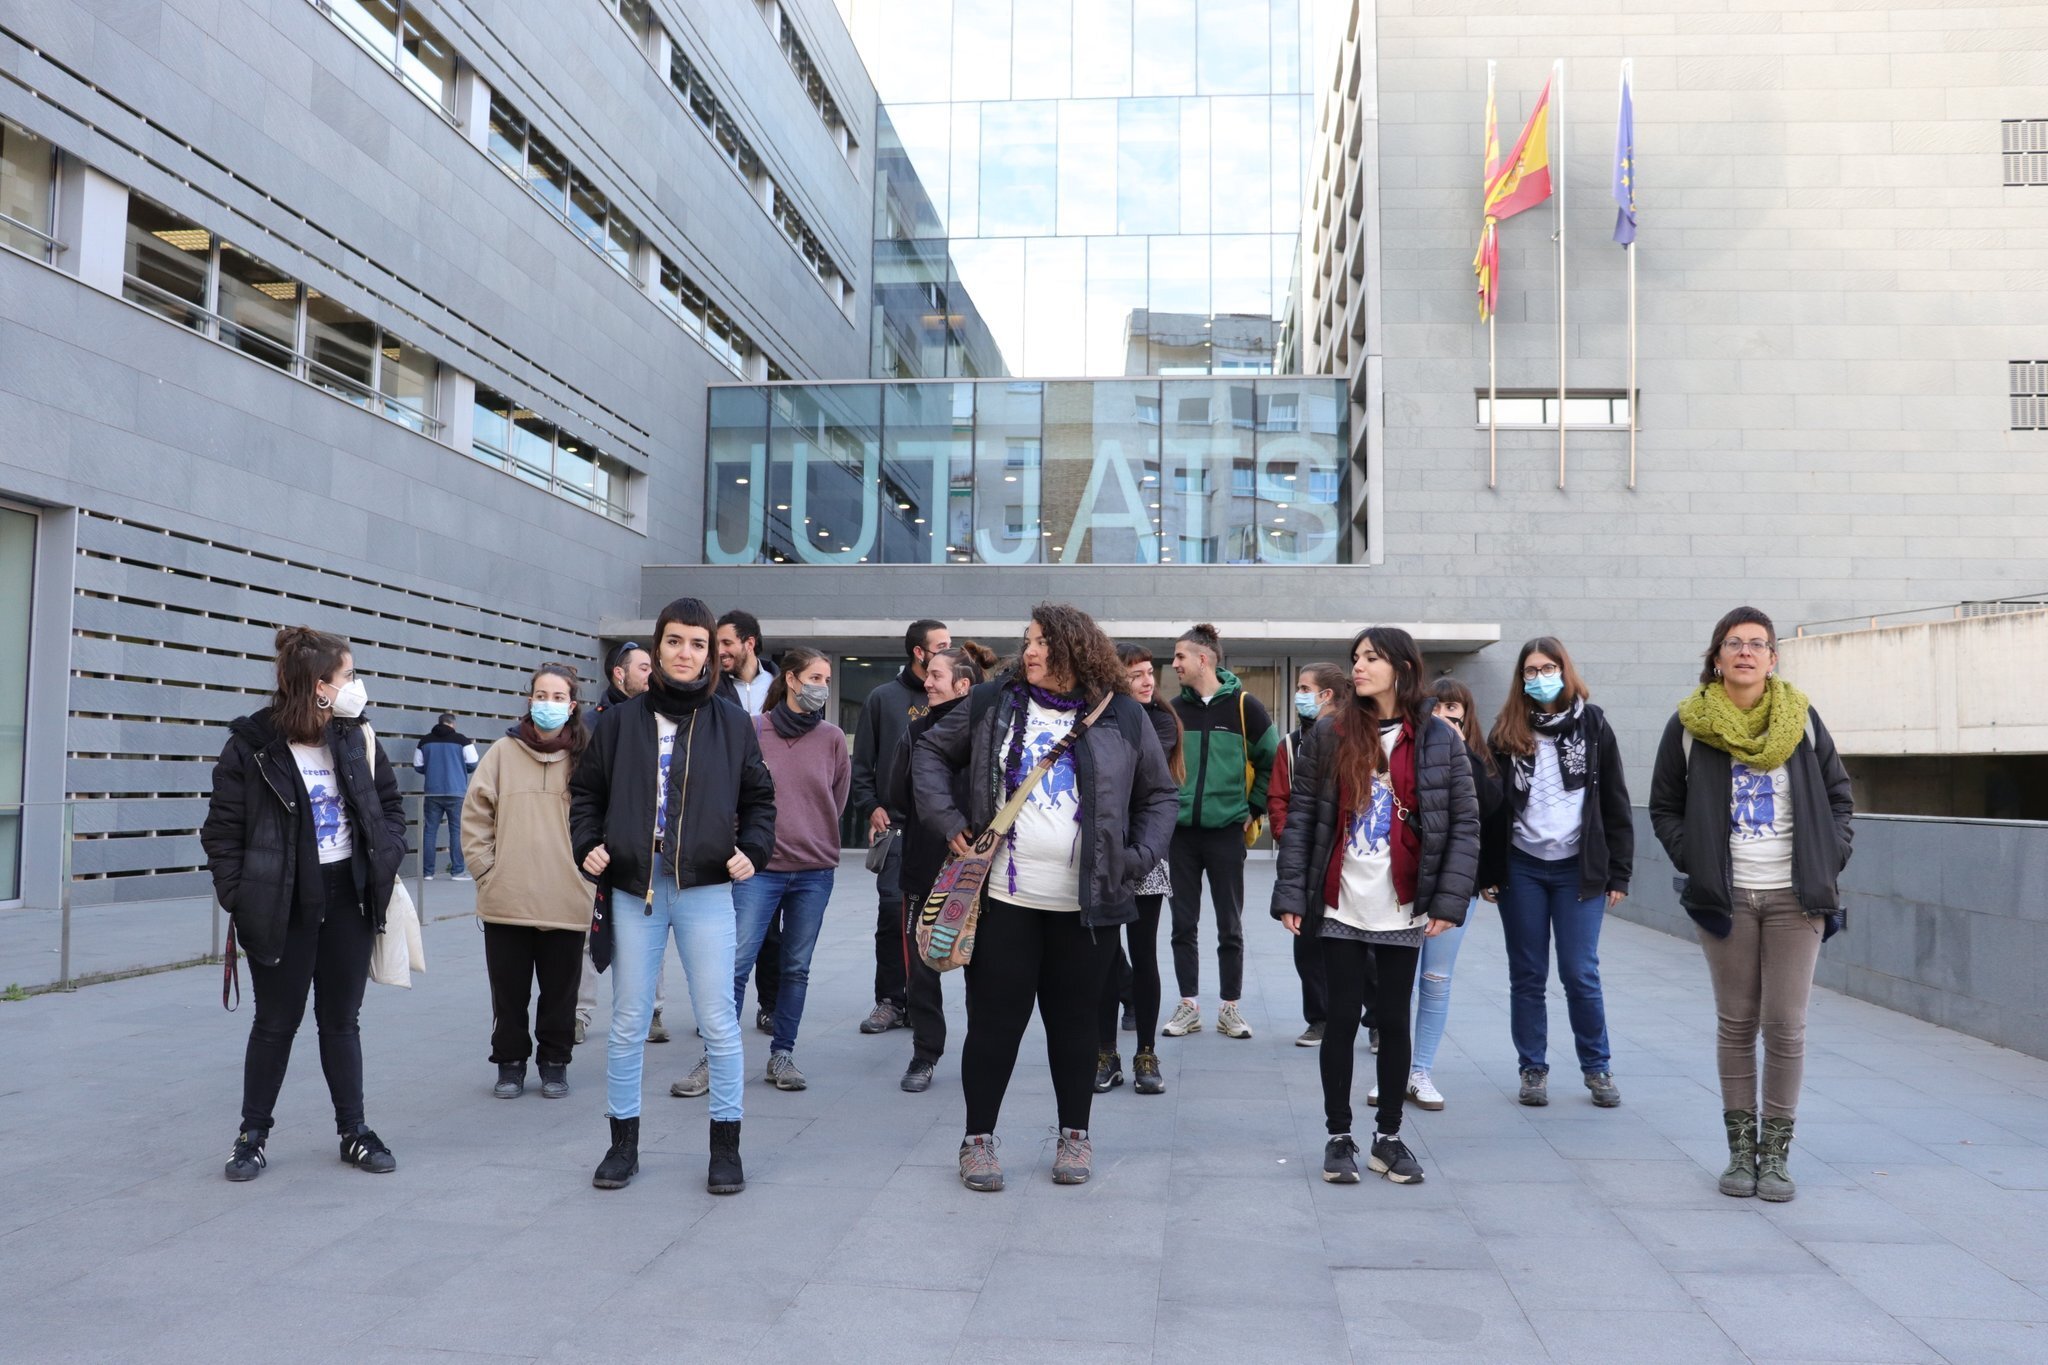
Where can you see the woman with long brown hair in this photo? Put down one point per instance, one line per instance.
(1142, 933)
(303, 837)
(1557, 859)
(1380, 851)
(531, 898)
(1090, 831)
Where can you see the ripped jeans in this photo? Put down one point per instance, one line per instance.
(1433, 992)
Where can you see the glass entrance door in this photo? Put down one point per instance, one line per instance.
(17, 593)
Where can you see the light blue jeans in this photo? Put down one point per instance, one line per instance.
(701, 918)
(1433, 991)
(801, 897)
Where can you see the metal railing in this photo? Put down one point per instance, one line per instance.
(1908, 616)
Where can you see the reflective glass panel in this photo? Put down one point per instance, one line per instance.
(824, 448)
(1206, 440)
(1042, 49)
(988, 298)
(1194, 165)
(17, 600)
(1102, 48)
(927, 473)
(1019, 160)
(547, 174)
(507, 136)
(1007, 473)
(736, 457)
(373, 23)
(1177, 318)
(1163, 47)
(621, 241)
(167, 261)
(1301, 470)
(1241, 164)
(910, 321)
(339, 345)
(906, 45)
(425, 59)
(963, 217)
(491, 427)
(533, 448)
(27, 173)
(1088, 167)
(1100, 481)
(1055, 306)
(1234, 46)
(911, 171)
(1148, 166)
(406, 376)
(587, 208)
(259, 308)
(1116, 306)
(981, 49)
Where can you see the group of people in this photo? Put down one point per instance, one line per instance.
(701, 802)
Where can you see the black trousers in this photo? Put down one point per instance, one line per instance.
(768, 966)
(1218, 853)
(326, 950)
(1142, 934)
(1022, 956)
(892, 963)
(1315, 991)
(926, 996)
(515, 957)
(1359, 973)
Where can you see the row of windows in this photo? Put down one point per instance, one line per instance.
(28, 181)
(533, 162)
(808, 75)
(393, 33)
(187, 274)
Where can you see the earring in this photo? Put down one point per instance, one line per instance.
(1717, 670)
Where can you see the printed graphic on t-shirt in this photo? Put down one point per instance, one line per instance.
(327, 814)
(1058, 792)
(665, 749)
(1753, 813)
(1371, 827)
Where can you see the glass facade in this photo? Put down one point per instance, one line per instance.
(17, 590)
(1085, 187)
(1130, 471)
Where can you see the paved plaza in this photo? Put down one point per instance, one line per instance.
(1568, 1234)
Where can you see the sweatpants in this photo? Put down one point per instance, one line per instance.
(515, 957)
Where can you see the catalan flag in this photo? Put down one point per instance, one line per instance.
(1486, 263)
(1523, 181)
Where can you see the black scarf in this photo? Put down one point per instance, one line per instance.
(794, 725)
(612, 697)
(1567, 728)
(677, 700)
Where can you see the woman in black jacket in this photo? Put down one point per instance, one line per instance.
(1558, 857)
(1380, 851)
(1142, 932)
(949, 676)
(1089, 833)
(1753, 805)
(303, 837)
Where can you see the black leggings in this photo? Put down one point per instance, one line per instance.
(326, 949)
(1142, 934)
(516, 956)
(1023, 955)
(1360, 974)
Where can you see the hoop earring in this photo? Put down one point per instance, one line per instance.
(1717, 670)
(322, 702)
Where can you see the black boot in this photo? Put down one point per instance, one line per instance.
(554, 1080)
(622, 1162)
(726, 1175)
(511, 1080)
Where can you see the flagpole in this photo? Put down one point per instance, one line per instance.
(1492, 370)
(1627, 71)
(1558, 158)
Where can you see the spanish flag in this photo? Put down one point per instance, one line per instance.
(1524, 181)
(1486, 263)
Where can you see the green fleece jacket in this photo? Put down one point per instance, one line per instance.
(1216, 750)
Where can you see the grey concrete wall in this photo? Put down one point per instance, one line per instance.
(1948, 922)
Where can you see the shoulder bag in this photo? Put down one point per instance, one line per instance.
(1254, 824)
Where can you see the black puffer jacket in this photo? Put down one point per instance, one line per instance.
(1446, 825)
(1128, 798)
(726, 805)
(924, 853)
(1607, 827)
(258, 828)
(1689, 802)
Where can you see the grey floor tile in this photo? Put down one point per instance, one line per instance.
(1931, 1281)
(1983, 1343)
(1738, 1238)
(1063, 1295)
(1802, 1317)
(1586, 1273)
(858, 1324)
(1462, 1315)
(1628, 1336)
(1249, 1329)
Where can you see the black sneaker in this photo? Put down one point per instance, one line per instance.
(1130, 1021)
(1340, 1161)
(764, 1020)
(1109, 1072)
(1312, 1036)
(365, 1151)
(1392, 1159)
(511, 1080)
(918, 1078)
(1145, 1077)
(554, 1080)
(246, 1162)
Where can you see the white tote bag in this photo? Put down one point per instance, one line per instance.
(398, 952)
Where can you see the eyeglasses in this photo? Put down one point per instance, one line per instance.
(1547, 671)
(1731, 645)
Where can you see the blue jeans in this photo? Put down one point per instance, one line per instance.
(1433, 993)
(1538, 899)
(701, 918)
(801, 897)
(439, 808)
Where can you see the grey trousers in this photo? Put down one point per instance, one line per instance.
(1763, 978)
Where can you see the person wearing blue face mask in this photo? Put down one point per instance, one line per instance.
(1557, 858)
(534, 903)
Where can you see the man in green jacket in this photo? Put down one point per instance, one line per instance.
(1229, 755)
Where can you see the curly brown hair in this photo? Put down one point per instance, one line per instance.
(1076, 648)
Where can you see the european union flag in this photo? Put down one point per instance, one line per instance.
(1625, 167)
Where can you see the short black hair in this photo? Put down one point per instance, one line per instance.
(685, 611)
(919, 632)
(448, 718)
(747, 626)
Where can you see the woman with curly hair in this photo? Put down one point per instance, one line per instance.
(1091, 830)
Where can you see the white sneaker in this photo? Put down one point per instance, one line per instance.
(1186, 1019)
(1231, 1024)
(1422, 1092)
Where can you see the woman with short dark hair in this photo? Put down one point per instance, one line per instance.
(1753, 805)
(303, 837)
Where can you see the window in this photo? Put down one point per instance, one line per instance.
(530, 448)
(168, 264)
(808, 76)
(564, 191)
(2026, 151)
(2029, 395)
(635, 15)
(408, 45)
(17, 602)
(28, 178)
(1583, 408)
(258, 307)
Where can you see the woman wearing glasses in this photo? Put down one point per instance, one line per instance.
(1557, 859)
(1752, 803)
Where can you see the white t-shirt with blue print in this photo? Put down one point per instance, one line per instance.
(1760, 827)
(1047, 855)
(330, 811)
(664, 749)
(1366, 899)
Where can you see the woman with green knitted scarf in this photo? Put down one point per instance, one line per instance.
(1751, 802)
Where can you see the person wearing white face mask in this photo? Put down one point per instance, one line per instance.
(303, 837)
(534, 903)
(1316, 690)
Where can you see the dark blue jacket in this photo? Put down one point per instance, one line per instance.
(447, 758)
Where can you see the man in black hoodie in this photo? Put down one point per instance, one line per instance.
(445, 758)
(884, 717)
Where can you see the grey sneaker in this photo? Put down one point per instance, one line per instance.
(1340, 1161)
(883, 1017)
(1074, 1162)
(1601, 1083)
(782, 1072)
(918, 1077)
(657, 1032)
(698, 1082)
(1535, 1088)
(582, 1028)
(1392, 1159)
(1231, 1024)
(1186, 1019)
(1312, 1036)
(979, 1169)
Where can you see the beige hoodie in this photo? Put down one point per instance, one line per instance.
(515, 838)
